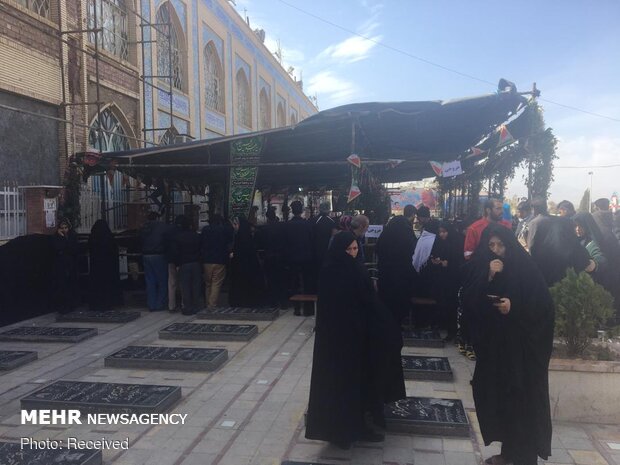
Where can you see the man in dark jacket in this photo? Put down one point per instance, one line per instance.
(217, 240)
(186, 253)
(323, 228)
(153, 235)
(298, 255)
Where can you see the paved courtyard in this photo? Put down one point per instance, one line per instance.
(251, 410)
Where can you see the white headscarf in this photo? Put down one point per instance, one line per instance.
(423, 250)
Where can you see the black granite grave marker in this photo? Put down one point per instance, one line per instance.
(47, 334)
(171, 358)
(422, 338)
(13, 454)
(10, 359)
(426, 368)
(103, 397)
(240, 313)
(427, 416)
(208, 332)
(293, 462)
(110, 316)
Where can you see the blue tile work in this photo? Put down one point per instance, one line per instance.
(163, 119)
(209, 35)
(148, 71)
(215, 120)
(264, 61)
(211, 118)
(181, 125)
(230, 104)
(180, 9)
(180, 103)
(195, 57)
(240, 63)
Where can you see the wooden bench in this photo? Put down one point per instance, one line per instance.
(305, 298)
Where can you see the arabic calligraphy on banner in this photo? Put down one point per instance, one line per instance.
(243, 152)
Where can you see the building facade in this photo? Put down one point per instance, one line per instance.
(77, 75)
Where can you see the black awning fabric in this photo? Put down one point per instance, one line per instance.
(313, 153)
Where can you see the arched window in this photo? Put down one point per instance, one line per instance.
(214, 79)
(244, 100)
(264, 122)
(170, 50)
(111, 16)
(280, 115)
(169, 137)
(40, 7)
(111, 137)
(293, 117)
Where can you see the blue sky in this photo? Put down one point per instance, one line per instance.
(571, 49)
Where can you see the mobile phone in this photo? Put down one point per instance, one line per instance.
(495, 299)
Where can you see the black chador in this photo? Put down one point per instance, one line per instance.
(104, 285)
(395, 248)
(510, 385)
(351, 343)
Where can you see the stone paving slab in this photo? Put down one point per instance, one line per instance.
(14, 454)
(240, 313)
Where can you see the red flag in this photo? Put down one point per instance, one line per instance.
(355, 160)
(354, 193)
(505, 137)
(437, 167)
(91, 158)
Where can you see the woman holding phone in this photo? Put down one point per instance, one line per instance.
(511, 321)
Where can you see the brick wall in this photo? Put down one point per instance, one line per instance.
(24, 27)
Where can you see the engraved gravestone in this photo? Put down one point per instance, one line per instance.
(10, 359)
(103, 397)
(208, 332)
(13, 454)
(110, 316)
(47, 334)
(427, 416)
(171, 358)
(422, 338)
(426, 368)
(293, 462)
(240, 313)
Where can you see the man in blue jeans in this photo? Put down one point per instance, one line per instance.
(155, 264)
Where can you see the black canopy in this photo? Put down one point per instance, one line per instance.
(313, 153)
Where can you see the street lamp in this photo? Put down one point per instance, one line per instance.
(591, 173)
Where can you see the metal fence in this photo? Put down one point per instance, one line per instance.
(12, 211)
(116, 195)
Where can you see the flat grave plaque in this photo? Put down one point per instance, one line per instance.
(10, 359)
(47, 334)
(170, 358)
(422, 338)
(12, 453)
(103, 397)
(111, 316)
(208, 332)
(427, 416)
(426, 368)
(293, 462)
(240, 313)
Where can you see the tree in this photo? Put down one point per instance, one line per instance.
(584, 205)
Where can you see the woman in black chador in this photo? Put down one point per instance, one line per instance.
(104, 284)
(247, 281)
(512, 319)
(64, 279)
(352, 373)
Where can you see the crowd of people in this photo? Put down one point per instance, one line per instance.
(489, 284)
